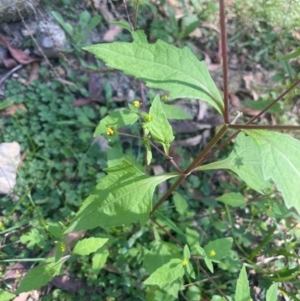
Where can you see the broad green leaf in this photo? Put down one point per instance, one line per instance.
(99, 259)
(242, 292)
(261, 104)
(232, 199)
(116, 120)
(180, 203)
(159, 126)
(160, 254)
(294, 54)
(272, 292)
(55, 229)
(40, 275)
(116, 157)
(161, 66)
(5, 296)
(280, 155)
(122, 197)
(209, 264)
(173, 288)
(167, 273)
(122, 24)
(200, 250)
(174, 112)
(192, 238)
(89, 245)
(246, 161)
(6, 103)
(190, 270)
(219, 248)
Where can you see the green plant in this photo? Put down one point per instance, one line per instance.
(78, 33)
(124, 196)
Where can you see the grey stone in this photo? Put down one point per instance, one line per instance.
(32, 28)
(9, 9)
(3, 54)
(9, 160)
(51, 38)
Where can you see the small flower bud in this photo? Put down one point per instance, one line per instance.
(164, 98)
(136, 104)
(148, 118)
(110, 131)
(184, 262)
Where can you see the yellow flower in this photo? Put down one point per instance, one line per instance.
(212, 253)
(110, 131)
(136, 104)
(184, 262)
(63, 248)
(164, 98)
(148, 118)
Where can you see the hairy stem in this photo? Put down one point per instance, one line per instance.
(192, 166)
(224, 59)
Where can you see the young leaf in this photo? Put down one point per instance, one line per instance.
(232, 199)
(89, 245)
(167, 273)
(40, 275)
(122, 24)
(219, 248)
(174, 112)
(192, 238)
(272, 292)
(181, 204)
(246, 161)
(294, 54)
(168, 222)
(122, 197)
(160, 254)
(209, 264)
(5, 296)
(159, 127)
(116, 119)
(99, 259)
(186, 252)
(65, 25)
(146, 143)
(280, 155)
(207, 261)
(162, 66)
(242, 292)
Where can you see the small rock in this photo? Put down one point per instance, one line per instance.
(130, 95)
(51, 38)
(9, 161)
(9, 9)
(3, 54)
(32, 28)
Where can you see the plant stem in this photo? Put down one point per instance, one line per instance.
(264, 127)
(192, 166)
(224, 59)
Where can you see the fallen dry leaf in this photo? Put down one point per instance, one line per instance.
(10, 111)
(19, 55)
(34, 73)
(82, 102)
(9, 63)
(114, 30)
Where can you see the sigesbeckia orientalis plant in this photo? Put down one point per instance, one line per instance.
(262, 156)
